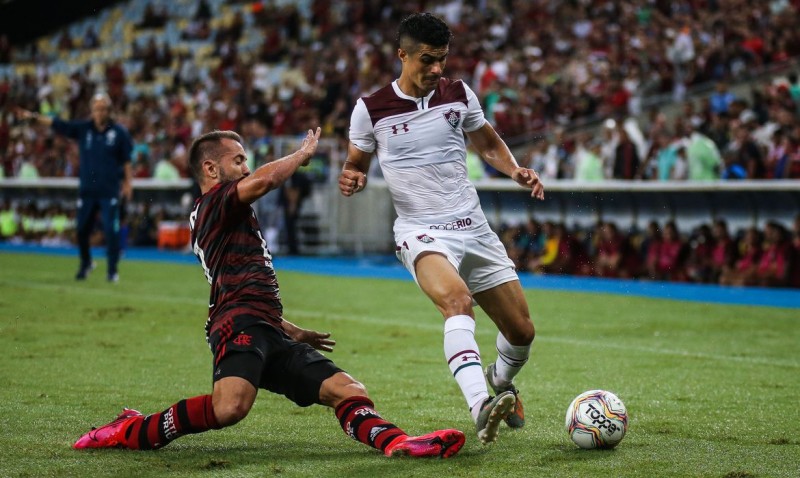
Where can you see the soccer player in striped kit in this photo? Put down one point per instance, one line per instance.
(416, 127)
(253, 345)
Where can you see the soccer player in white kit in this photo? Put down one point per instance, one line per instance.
(416, 126)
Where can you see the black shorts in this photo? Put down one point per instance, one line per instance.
(269, 359)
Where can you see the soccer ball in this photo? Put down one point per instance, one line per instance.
(597, 419)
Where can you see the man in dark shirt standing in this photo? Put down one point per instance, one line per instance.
(105, 176)
(253, 345)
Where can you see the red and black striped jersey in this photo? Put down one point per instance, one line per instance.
(227, 241)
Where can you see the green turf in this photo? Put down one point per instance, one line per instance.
(712, 390)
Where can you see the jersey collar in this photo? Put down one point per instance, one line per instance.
(400, 93)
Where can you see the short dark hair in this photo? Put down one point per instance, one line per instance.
(424, 28)
(206, 145)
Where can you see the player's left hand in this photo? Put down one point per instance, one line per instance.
(318, 340)
(310, 143)
(528, 178)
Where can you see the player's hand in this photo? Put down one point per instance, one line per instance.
(351, 182)
(318, 340)
(127, 191)
(528, 178)
(24, 115)
(310, 143)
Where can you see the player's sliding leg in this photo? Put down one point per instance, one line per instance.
(360, 421)
(133, 430)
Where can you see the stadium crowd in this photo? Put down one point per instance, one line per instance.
(315, 59)
(585, 61)
(711, 253)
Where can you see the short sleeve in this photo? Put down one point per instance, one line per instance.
(362, 133)
(475, 119)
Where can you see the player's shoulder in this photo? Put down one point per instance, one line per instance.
(119, 127)
(386, 98)
(384, 103)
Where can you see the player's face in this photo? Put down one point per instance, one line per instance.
(424, 65)
(100, 112)
(232, 164)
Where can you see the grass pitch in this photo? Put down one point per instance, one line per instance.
(711, 390)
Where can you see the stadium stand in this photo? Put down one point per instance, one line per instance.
(649, 91)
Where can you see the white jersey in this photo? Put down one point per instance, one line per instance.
(420, 147)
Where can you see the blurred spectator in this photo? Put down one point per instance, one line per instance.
(615, 257)
(90, 39)
(723, 253)
(671, 258)
(669, 158)
(744, 159)
(570, 256)
(703, 158)
(721, 99)
(588, 163)
(650, 250)
(774, 267)
(166, 169)
(743, 271)
(527, 244)
(626, 156)
(550, 239)
(9, 222)
(293, 193)
(700, 263)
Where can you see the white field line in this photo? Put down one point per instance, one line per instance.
(430, 323)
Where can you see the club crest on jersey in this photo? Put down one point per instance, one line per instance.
(452, 117)
(425, 238)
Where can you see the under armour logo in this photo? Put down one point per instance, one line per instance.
(396, 128)
(466, 358)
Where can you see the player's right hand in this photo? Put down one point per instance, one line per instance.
(351, 182)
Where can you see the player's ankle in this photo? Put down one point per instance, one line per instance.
(394, 443)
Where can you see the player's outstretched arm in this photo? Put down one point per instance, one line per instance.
(31, 117)
(494, 151)
(271, 175)
(318, 340)
(353, 178)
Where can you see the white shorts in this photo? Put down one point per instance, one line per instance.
(477, 255)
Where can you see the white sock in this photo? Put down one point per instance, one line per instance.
(463, 358)
(510, 359)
